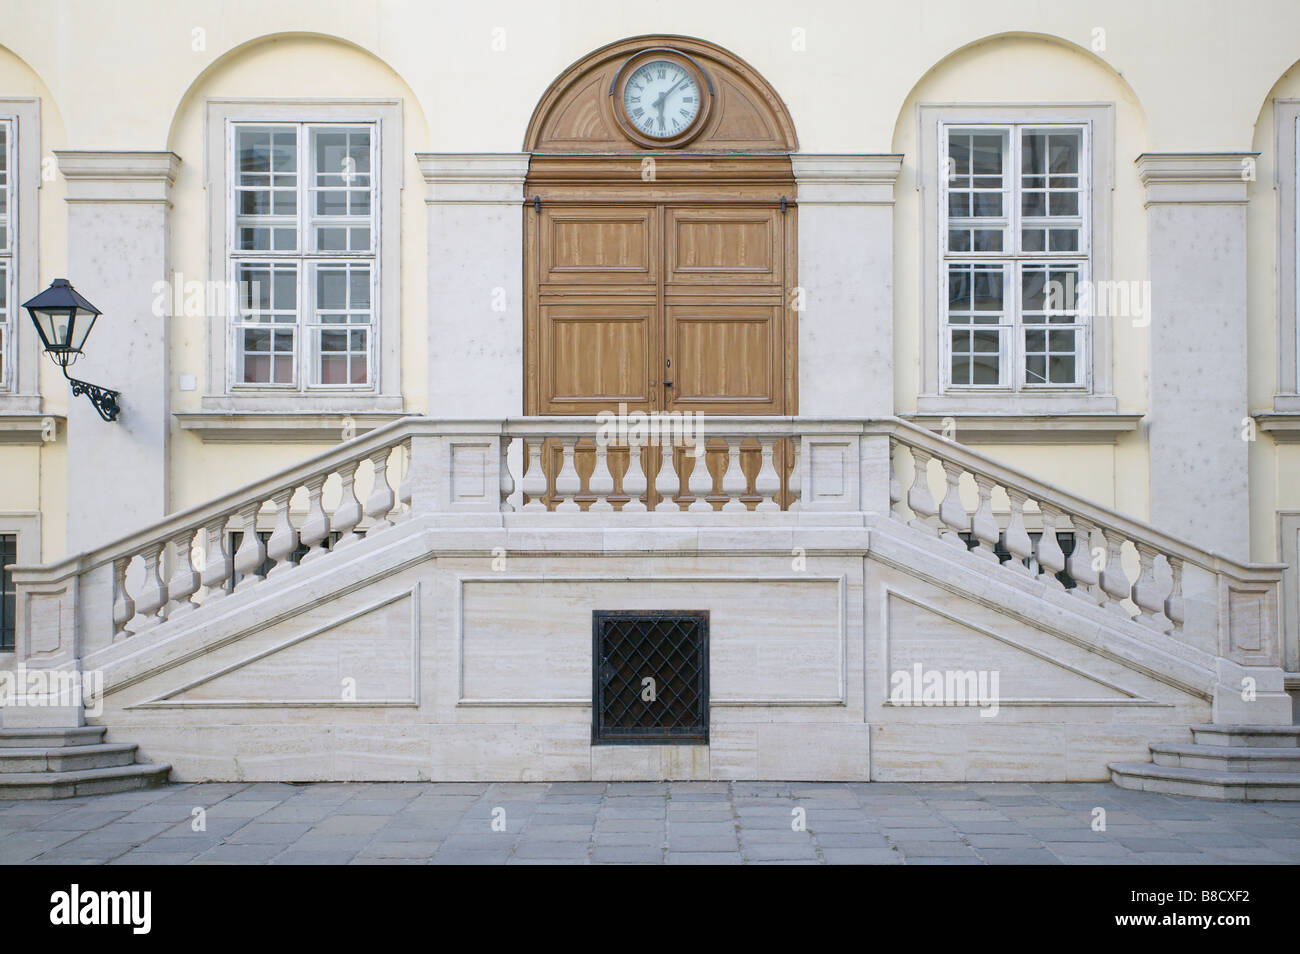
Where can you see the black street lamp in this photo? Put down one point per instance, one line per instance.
(63, 319)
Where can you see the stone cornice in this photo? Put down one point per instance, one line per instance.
(474, 178)
(113, 176)
(1204, 178)
(841, 179)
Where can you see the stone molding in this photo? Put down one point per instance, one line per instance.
(1199, 178)
(474, 178)
(118, 176)
(833, 179)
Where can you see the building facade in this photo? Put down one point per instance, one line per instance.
(973, 330)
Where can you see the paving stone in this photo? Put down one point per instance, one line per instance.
(703, 858)
(861, 856)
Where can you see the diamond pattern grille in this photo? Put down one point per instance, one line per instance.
(671, 650)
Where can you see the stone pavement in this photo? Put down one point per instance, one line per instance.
(646, 822)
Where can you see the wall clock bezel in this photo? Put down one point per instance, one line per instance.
(625, 73)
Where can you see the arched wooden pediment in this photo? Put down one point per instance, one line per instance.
(576, 115)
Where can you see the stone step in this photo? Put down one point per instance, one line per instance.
(1202, 783)
(50, 738)
(1245, 736)
(1227, 758)
(99, 781)
(71, 758)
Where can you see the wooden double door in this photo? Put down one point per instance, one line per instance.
(660, 306)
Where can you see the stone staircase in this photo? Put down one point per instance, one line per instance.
(1252, 763)
(64, 762)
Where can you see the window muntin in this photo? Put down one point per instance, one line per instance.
(1015, 250)
(303, 255)
(7, 270)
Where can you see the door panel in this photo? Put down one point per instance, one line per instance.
(600, 246)
(596, 355)
(712, 246)
(724, 358)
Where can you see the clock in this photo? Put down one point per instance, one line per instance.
(661, 98)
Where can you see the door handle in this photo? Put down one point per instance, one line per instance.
(668, 384)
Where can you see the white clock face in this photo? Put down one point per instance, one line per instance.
(661, 99)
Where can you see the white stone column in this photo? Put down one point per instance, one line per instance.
(118, 208)
(1196, 224)
(846, 273)
(476, 285)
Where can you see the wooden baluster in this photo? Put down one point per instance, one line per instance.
(1018, 543)
(150, 604)
(952, 512)
(634, 480)
(1144, 592)
(1079, 565)
(1048, 553)
(348, 513)
(568, 484)
(1174, 601)
(700, 483)
(252, 552)
(983, 525)
(767, 483)
(123, 604)
(534, 482)
(216, 559)
(919, 498)
(1114, 581)
(284, 539)
(667, 483)
(795, 488)
(185, 580)
(734, 484)
(316, 525)
(601, 482)
(507, 479)
(380, 502)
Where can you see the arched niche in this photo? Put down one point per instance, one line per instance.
(576, 114)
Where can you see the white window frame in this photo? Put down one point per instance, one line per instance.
(26, 525)
(1094, 391)
(224, 391)
(19, 368)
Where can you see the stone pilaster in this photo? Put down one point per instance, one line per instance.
(1196, 223)
(846, 274)
(118, 209)
(476, 325)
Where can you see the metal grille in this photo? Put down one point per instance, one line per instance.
(650, 676)
(8, 555)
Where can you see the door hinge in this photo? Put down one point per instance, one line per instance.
(783, 205)
(537, 203)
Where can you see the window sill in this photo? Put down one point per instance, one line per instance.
(1029, 427)
(1282, 425)
(21, 422)
(317, 425)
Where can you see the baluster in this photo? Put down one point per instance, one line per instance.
(734, 484)
(404, 487)
(123, 604)
(216, 559)
(667, 483)
(919, 498)
(534, 482)
(348, 514)
(634, 482)
(316, 525)
(700, 483)
(507, 480)
(153, 594)
(380, 502)
(601, 482)
(795, 489)
(1018, 543)
(983, 525)
(283, 540)
(1174, 601)
(895, 485)
(767, 483)
(1079, 565)
(1144, 594)
(185, 580)
(567, 482)
(952, 512)
(252, 552)
(1051, 559)
(1114, 581)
